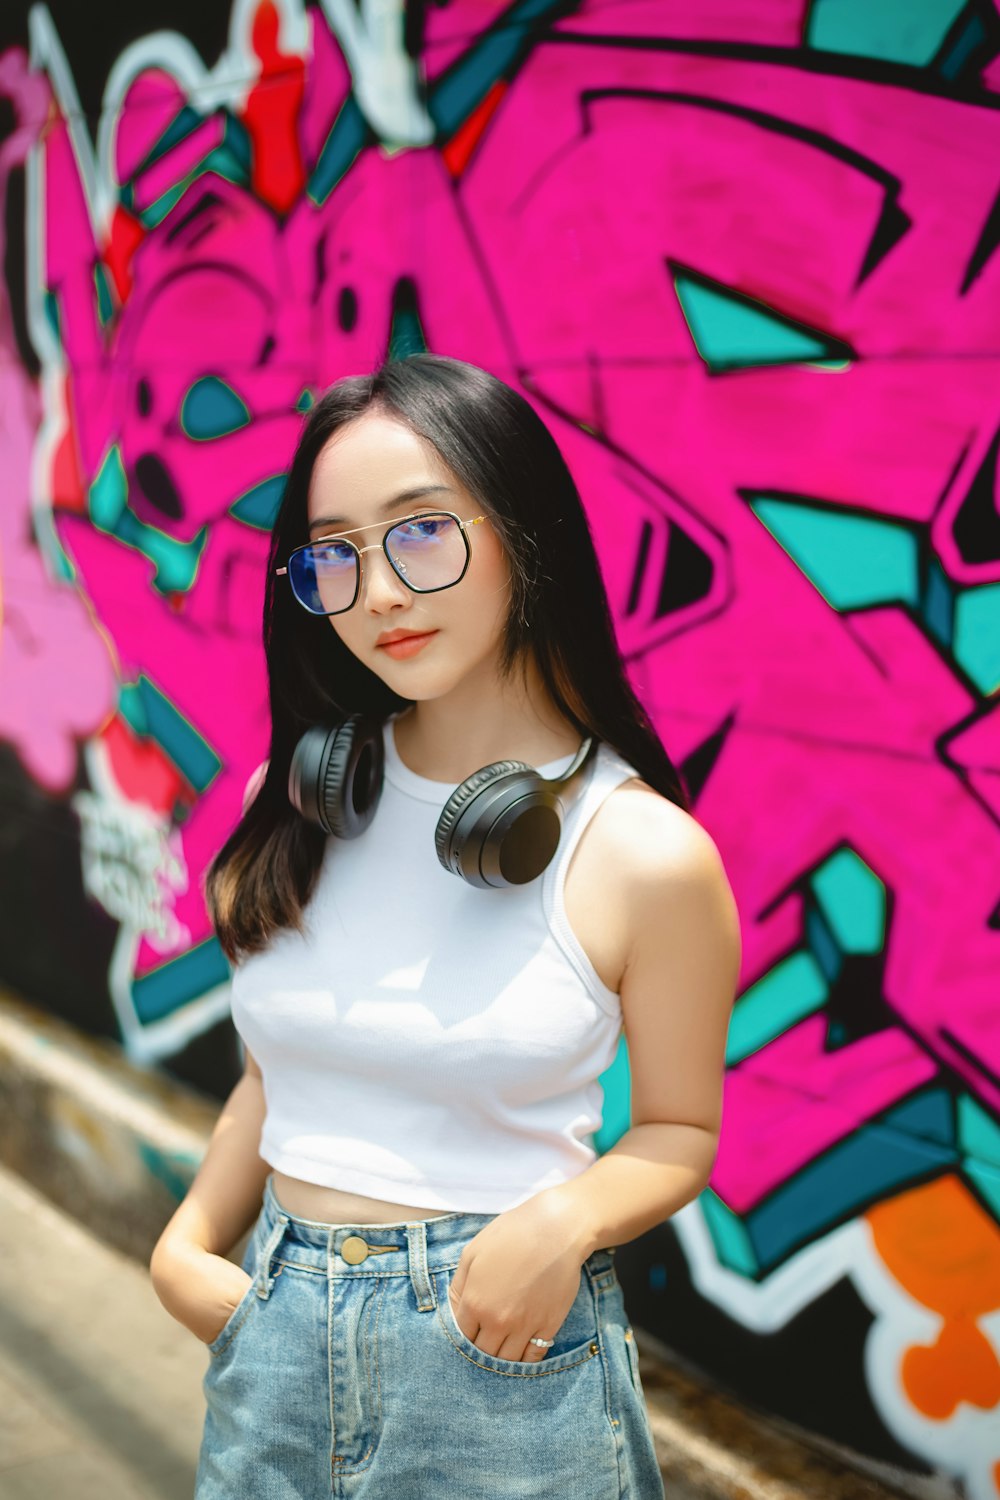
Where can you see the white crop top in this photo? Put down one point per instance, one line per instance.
(423, 1041)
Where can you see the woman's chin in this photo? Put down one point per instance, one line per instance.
(422, 683)
(413, 678)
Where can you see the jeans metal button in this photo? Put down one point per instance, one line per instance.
(354, 1250)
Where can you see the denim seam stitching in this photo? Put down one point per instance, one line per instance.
(361, 1463)
(633, 1358)
(614, 1423)
(331, 1368)
(602, 1282)
(299, 1265)
(378, 1381)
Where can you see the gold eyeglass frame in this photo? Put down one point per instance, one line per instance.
(359, 552)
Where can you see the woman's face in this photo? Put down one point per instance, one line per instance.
(363, 477)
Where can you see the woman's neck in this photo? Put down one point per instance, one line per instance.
(484, 720)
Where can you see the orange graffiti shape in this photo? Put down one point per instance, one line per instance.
(945, 1250)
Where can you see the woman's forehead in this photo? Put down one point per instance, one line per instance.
(367, 468)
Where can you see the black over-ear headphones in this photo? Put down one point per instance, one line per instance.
(501, 827)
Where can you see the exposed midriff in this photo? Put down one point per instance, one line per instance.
(310, 1200)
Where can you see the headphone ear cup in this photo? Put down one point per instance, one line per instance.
(335, 777)
(481, 813)
(444, 841)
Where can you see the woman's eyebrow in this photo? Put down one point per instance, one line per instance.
(414, 493)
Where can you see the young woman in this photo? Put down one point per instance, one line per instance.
(429, 982)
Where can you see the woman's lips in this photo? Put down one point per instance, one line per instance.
(409, 645)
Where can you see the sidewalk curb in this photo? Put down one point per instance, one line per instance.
(116, 1146)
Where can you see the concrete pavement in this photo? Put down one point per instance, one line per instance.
(100, 1389)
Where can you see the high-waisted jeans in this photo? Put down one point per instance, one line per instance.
(351, 1378)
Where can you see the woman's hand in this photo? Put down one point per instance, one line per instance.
(518, 1278)
(199, 1289)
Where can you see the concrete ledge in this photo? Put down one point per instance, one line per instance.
(116, 1146)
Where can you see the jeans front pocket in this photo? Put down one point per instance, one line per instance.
(575, 1342)
(244, 1308)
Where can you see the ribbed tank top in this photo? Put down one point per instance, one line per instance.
(423, 1041)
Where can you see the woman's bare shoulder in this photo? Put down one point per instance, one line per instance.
(648, 836)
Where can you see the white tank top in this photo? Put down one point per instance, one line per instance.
(423, 1041)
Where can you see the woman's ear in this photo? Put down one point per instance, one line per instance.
(254, 785)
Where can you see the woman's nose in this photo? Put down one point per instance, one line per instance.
(381, 586)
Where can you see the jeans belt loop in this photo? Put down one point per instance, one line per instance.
(416, 1235)
(265, 1281)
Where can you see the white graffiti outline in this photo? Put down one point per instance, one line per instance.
(963, 1445)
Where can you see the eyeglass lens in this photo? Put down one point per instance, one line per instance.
(427, 552)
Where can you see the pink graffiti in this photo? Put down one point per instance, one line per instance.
(802, 1099)
(539, 240)
(56, 677)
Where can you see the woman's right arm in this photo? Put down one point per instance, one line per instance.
(189, 1267)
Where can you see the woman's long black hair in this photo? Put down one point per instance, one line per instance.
(499, 448)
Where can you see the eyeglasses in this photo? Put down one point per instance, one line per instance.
(428, 552)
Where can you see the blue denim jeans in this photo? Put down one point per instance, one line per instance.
(351, 1378)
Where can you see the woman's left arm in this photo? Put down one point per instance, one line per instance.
(677, 995)
(521, 1273)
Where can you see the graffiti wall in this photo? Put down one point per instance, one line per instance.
(742, 257)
